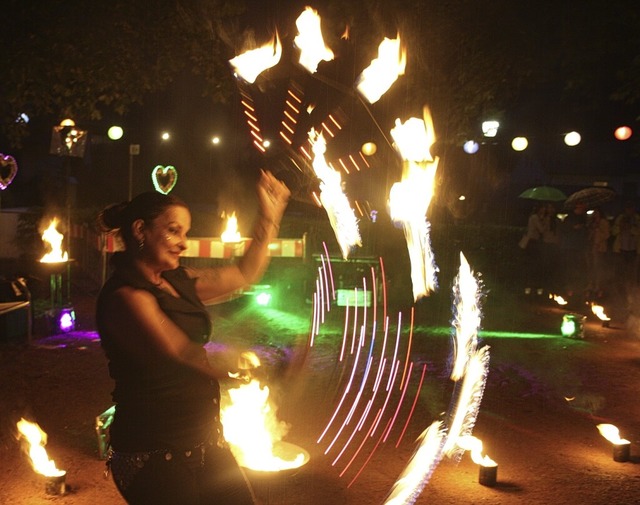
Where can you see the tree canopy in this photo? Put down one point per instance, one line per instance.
(466, 58)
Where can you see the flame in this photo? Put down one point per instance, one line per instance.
(231, 233)
(341, 215)
(252, 63)
(54, 241)
(598, 310)
(37, 440)
(612, 434)
(558, 299)
(410, 198)
(310, 42)
(414, 138)
(377, 78)
(467, 317)
(253, 430)
(474, 445)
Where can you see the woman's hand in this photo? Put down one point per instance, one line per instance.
(273, 196)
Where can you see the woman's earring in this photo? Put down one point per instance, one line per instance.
(141, 244)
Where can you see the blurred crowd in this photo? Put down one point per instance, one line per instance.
(581, 252)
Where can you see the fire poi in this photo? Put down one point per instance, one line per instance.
(366, 409)
(252, 63)
(310, 41)
(37, 439)
(252, 429)
(409, 199)
(383, 71)
(341, 215)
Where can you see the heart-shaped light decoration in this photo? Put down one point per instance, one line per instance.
(164, 178)
(8, 170)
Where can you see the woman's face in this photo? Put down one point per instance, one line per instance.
(166, 238)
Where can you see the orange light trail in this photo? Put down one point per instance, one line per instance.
(406, 362)
(413, 406)
(344, 395)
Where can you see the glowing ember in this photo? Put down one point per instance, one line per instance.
(383, 71)
(37, 439)
(474, 445)
(251, 64)
(341, 215)
(467, 317)
(310, 41)
(598, 310)
(612, 434)
(231, 233)
(53, 240)
(558, 299)
(253, 430)
(409, 199)
(416, 474)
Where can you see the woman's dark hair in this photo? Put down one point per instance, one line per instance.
(146, 206)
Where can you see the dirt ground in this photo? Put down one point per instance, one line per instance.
(543, 398)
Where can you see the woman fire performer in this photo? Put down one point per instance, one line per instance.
(166, 438)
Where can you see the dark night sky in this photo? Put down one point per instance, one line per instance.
(221, 177)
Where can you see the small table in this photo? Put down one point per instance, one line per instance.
(12, 325)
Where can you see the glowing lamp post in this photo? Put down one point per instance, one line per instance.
(572, 139)
(621, 446)
(519, 144)
(490, 128)
(623, 133)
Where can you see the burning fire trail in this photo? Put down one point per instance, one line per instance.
(37, 439)
(468, 400)
(310, 41)
(466, 318)
(363, 407)
(409, 199)
(379, 76)
(341, 215)
(231, 233)
(53, 240)
(250, 64)
(417, 473)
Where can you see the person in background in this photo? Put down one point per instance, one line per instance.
(626, 229)
(550, 249)
(537, 226)
(599, 232)
(167, 442)
(574, 242)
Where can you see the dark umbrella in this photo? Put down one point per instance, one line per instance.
(591, 197)
(543, 193)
